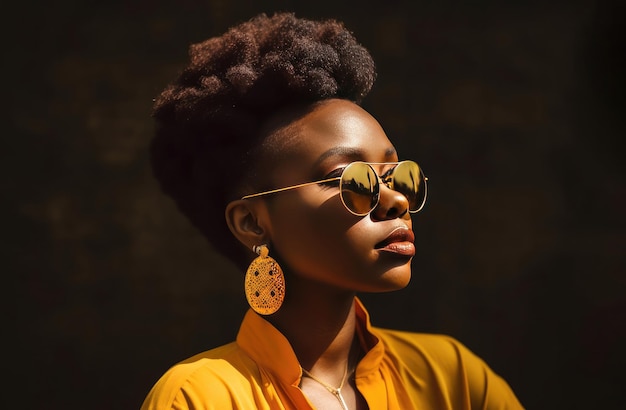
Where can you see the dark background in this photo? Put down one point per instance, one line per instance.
(513, 108)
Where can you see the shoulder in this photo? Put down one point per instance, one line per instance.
(447, 362)
(217, 375)
(444, 352)
(438, 347)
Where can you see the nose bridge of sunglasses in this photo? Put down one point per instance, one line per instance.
(386, 174)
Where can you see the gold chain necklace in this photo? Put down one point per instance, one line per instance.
(336, 391)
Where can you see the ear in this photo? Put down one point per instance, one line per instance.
(247, 221)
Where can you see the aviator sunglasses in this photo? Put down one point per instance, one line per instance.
(359, 185)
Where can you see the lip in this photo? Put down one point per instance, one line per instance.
(399, 241)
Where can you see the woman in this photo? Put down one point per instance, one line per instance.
(262, 144)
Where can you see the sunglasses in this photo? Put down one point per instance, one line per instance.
(359, 185)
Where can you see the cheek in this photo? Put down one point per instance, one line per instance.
(315, 234)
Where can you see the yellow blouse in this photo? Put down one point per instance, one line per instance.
(401, 370)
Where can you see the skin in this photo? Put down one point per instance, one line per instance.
(327, 253)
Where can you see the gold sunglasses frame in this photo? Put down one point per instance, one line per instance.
(321, 181)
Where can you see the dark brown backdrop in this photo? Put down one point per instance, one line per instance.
(514, 109)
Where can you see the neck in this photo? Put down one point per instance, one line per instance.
(320, 325)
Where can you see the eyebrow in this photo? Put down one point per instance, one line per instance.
(349, 152)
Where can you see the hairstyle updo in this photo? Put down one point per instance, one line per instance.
(209, 119)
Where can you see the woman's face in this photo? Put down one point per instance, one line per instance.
(315, 236)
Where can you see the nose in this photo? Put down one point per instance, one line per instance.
(391, 204)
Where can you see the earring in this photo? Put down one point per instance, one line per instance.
(264, 283)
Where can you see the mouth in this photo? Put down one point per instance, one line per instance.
(399, 241)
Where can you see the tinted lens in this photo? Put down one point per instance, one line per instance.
(359, 188)
(408, 179)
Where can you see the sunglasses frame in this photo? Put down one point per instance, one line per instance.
(378, 180)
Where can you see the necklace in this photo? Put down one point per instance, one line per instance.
(336, 391)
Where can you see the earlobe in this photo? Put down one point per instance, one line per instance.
(244, 221)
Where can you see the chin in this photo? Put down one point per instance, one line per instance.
(401, 283)
(396, 278)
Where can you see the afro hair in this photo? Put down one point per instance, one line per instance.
(209, 119)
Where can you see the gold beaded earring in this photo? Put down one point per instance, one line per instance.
(264, 283)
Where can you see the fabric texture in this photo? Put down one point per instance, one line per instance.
(401, 370)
